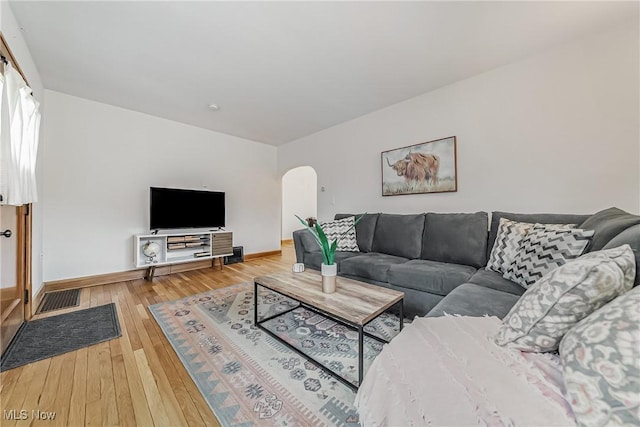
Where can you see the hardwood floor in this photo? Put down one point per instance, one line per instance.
(135, 380)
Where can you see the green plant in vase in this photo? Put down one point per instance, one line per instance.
(328, 249)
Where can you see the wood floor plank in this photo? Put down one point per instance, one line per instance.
(151, 391)
(93, 406)
(96, 295)
(139, 402)
(126, 320)
(142, 311)
(61, 402)
(107, 387)
(85, 298)
(34, 381)
(172, 407)
(8, 382)
(13, 398)
(124, 403)
(79, 388)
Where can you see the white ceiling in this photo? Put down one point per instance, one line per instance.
(283, 70)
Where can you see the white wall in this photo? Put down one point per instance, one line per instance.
(558, 132)
(299, 197)
(12, 34)
(101, 161)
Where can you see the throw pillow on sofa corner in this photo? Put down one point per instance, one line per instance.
(601, 364)
(545, 248)
(554, 304)
(335, 229)
(607, 224)
(508, 240)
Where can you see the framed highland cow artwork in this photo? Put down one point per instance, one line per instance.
(429, 167)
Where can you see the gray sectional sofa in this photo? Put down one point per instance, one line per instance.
(438, 260)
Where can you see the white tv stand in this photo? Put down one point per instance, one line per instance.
(178, 248)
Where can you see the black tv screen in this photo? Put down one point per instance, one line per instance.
(175, 208)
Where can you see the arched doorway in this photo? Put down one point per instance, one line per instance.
(299, 197)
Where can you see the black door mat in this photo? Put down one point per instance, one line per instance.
(59, 300)
(51, 336)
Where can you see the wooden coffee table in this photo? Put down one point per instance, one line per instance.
(354, 304)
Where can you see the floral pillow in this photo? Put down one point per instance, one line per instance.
(335, 229)
(601, 363)
(554, 304)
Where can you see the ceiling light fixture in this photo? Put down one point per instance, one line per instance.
(214, 107)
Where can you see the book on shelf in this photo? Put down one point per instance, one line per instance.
(174, 239)
(201, 254)
(176, 246)
(193, 244)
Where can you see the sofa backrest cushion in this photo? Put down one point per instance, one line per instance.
(365, 229)
(399, 235)
(459, 238)
(608, 224)
(543, 218)
(631, 237)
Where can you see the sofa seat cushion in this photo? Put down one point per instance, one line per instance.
(469, 299)
(434, 277)
(371, 265)
(492, 280)
(314, 259)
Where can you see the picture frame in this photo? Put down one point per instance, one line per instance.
(428, 167)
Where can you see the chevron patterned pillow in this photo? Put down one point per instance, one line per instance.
(335, 229)
(545, 248)
(507, 244)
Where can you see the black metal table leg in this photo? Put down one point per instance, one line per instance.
(401, 314)
(360, 355)
(255, 303)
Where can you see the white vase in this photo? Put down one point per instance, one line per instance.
(329, 273)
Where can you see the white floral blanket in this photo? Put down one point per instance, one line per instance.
(447, 371)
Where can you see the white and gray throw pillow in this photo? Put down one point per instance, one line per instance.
(601, 364)
(545, 248)
(334, 229)
(554, 304)
(508, 240)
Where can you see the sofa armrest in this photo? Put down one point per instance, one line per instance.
(303, 242)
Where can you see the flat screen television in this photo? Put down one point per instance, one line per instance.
(176, 208)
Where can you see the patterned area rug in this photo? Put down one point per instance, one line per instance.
(249, 378)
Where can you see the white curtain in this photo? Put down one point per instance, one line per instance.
(19, 133)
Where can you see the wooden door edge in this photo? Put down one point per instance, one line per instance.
(24, 232)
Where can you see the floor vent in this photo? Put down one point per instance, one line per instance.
(59, 300)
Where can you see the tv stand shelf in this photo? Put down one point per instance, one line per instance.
(175, 248)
